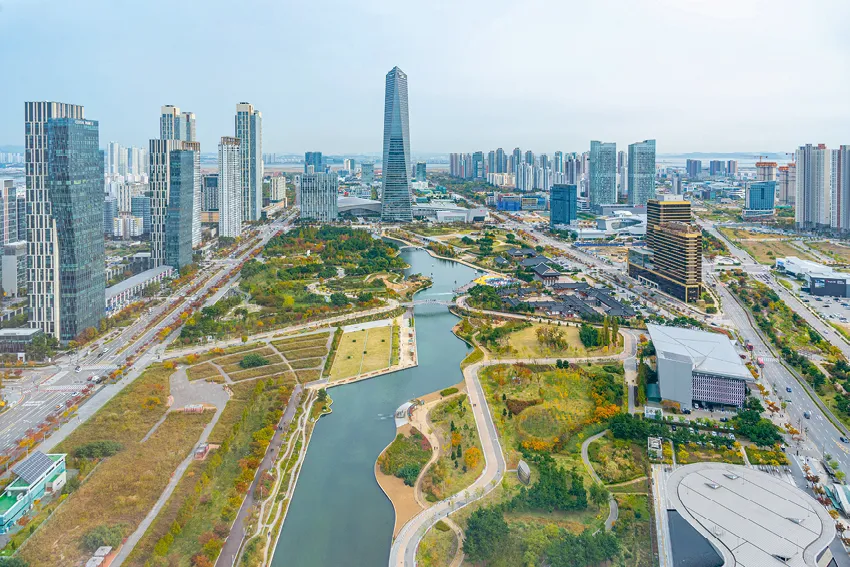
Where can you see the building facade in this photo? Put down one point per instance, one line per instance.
(209, 187)
(840, 179)
(110, 212)
(693, 167)
(814, 187)
(314, 162)
(249, 130)
(641, 172)
(603, 173)
(179, 214)
(230, 187)
(787, 176)
(672, 259)
(176, 125)
(563, 204)
(760, 200)
(319, 197)
(396, 199)
(75, 185)
(277, 189)
(140, 207)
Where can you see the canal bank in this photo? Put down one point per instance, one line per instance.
(338, 514)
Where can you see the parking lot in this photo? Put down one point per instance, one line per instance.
(834, 309)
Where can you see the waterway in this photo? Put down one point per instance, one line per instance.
(338, 514)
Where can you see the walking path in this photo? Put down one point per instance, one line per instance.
(613, 511)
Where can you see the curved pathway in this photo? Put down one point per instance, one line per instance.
(613, 510)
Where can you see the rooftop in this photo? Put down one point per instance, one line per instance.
(799, 266)
(751, 518)
(132, 281)
(712, 353)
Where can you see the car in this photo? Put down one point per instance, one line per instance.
(805, 301)
(724, 419)
(686, 411)
(788, 389)
(78, 369)
(818, 299)
(844, 439)
(807, 414)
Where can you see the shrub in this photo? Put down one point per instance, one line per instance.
(448, 391)
(98, 449)
(517, 406)
(442, 526)
(253, 360)
(103, 535)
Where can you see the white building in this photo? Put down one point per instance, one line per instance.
(230, 187)
(318, 196)
(814, 187)
(277, 189)
(127, 226)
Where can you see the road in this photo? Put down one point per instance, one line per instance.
(40, 393)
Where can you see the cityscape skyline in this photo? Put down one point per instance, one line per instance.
(620, 104)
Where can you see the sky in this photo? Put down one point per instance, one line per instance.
(546, 75)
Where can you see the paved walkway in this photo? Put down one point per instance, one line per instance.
(613, 510)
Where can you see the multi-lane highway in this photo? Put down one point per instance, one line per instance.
(48, 391)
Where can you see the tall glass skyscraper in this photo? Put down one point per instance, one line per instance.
(178, 216)
(563, 204)
(603, 173)
(249, 130)
(396, 200)
(641, 172)
(75, 185)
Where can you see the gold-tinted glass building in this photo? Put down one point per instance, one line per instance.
(672, 260)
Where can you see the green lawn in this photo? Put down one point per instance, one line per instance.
(524, 344)
(363, 351)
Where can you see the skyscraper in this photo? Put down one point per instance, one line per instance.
(641, 172)
(672, 259)
(814, 198)
(732, 168)
(176, 125)
(159, 183)
(315, 159)
(396, 200)
(319, 197)
(563, 204)
(367, 173)
(693, 167)
(787, 176)
(75, 186)
(210, 190)
(8, 212)
(277, 189)
(717, 168)
(501, 161)
(230, 187)
(760, 200)
(478, 165)
(178, 216)
(140, 206)
(840, 175)
(529, 157)
(517, 159)
(249, 129)
(42, 239)
(603, 173)
(766, 171)
(420, 171)
(110, 213)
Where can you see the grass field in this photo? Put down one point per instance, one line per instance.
(738, 234)
(767, 251)
(236, 367)
(837, 252)
(267, 370)
(524, 344)
(202, 371)
(361, 352)
(437, 548)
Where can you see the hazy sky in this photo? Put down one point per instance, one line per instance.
(697, 75)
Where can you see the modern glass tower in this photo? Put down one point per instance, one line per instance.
(641, 172)
(396, 201)
(178, 216)
(603, 173)
(249, 130)
(75, 185)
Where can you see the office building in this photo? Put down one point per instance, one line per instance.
(110, 212)
(75, 188)
(491, 162)
(840, 178)
(813, 201)
(672, 259)
(716, 168)
(367, 173)
(732, 168)
(319, 197)
(140, 207)
(641, 172)
(22, 219)
(277, 189)
(603, 174)
(8, 212)
(563, 204)
(43, 240)
(315, 160)
(766, 171)
(676, 184)
(760, 200)
(693, 167)
(209, 187)
(787, 177)
(501, 161)
(176, 125)
(15, 268)
(698, 366)
(180, 210)
(249, 129)
(420, 171)
(159, 153)
(230, 187)
(396, 200)
(349, 165)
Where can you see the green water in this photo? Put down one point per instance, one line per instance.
(338, 515)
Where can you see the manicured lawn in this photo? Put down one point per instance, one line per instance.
(350, 358)
(237, 367)
(232, 359)
(524, 344)
(202, 371)
(617, 460)
(443, 478)
(267, 370)
(121, 490)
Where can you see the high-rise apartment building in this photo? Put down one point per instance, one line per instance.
(75, 188)
(179, 213)
(501, 161)
(813, 206)
(277, 189)
(230, 187)
(840, 177)
(478, 165)
(249, 129)
(421, 168)
(396, 199)
(42, 238)
(603, 173)
(315, 160)
(676, 184)
(180, 126)
(716, 168)
(787, 178)
(693, 167)
(319, 197)
(732, 168)
(140, 207)
(641, 172)
(517, 159)
(8, 212)
(563, 204)
(209, 187)
(672, 259)
(558, 162)
(367, 173)
(491, 162)
(766, 171)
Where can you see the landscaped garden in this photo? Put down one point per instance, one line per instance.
(461, 460)
(618, 460)
(405, 456)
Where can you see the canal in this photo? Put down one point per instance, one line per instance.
(338, 514)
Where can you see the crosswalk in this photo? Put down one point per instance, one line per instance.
(62, 388)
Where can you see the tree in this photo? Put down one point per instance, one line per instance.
(588, 335)
(485, 530)
(103, 535)
(339, 299)
(13, 562)
(472, 457)
(615, 330)
(598, 494)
